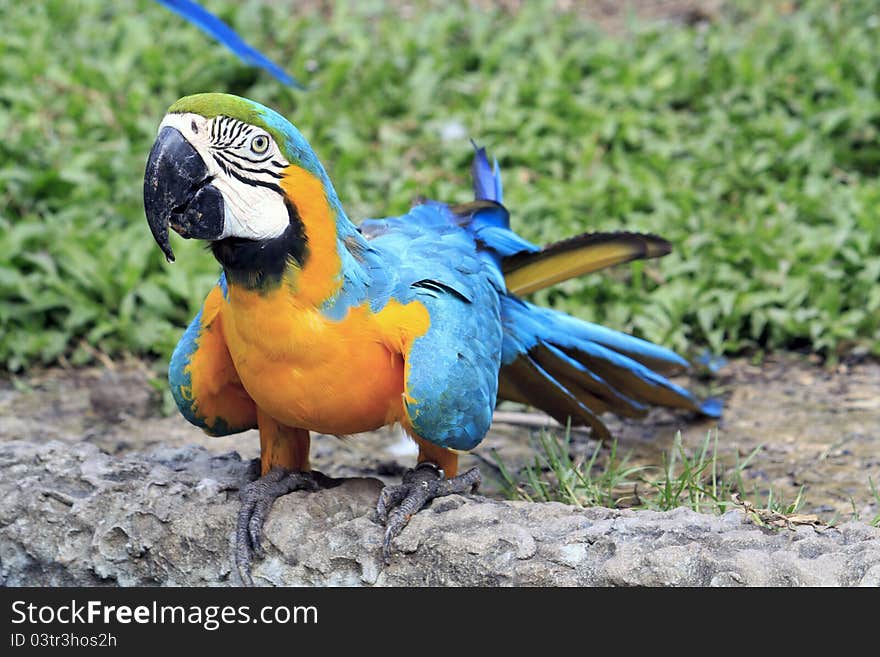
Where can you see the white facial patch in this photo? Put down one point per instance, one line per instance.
(246, 166)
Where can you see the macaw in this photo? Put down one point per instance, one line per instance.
(318, 325)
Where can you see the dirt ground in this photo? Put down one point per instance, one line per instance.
(817, 428)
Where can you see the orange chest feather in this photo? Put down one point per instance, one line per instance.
(308, 371)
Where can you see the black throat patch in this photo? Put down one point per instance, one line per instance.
(261, 264)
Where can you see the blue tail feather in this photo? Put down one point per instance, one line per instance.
(596, 384)
(647, 353)
(712, 407)
(529, 382)
(209, 23)
(487, 180)
(503, 242)
(490, 223)
(499, 188)
(611, 366)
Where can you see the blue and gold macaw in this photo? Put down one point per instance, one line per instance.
(317, 325)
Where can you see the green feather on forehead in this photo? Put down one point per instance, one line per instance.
(211, 105)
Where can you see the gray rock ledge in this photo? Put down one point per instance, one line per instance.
(72, 515)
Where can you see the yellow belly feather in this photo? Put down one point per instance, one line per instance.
(308, 371)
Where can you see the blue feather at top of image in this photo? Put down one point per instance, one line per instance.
(208, 22)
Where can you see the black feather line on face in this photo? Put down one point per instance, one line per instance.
(236, 132)
(256, 183)
(261, 264)
(229, 159)
(220, 163)
(259, 160)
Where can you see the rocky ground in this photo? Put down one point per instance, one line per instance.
(98, 487)
(72, 515)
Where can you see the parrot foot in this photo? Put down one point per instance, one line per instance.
(397, 504)
(257, 498)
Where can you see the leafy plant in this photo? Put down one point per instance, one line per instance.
(751, 144)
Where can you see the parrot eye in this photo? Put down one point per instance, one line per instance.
(260, 144)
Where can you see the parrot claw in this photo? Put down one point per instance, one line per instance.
(397, 504)
(257, 498)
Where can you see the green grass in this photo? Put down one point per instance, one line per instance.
(753, 145)
(696, 481)
(876, 494)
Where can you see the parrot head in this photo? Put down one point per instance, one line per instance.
(219, 170)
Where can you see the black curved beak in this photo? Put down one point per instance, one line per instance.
(178, 192)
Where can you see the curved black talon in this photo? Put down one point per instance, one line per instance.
(257, 498)
(397, 504)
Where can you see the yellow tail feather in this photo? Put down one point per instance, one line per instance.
(578, 256)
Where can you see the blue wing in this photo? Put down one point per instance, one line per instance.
(209, 23)
(451, 376)
(451, 379)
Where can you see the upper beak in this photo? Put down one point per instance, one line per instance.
(178, 193)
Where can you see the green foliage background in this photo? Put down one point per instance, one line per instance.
(752, 144)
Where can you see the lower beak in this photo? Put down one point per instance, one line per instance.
(178, 193)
